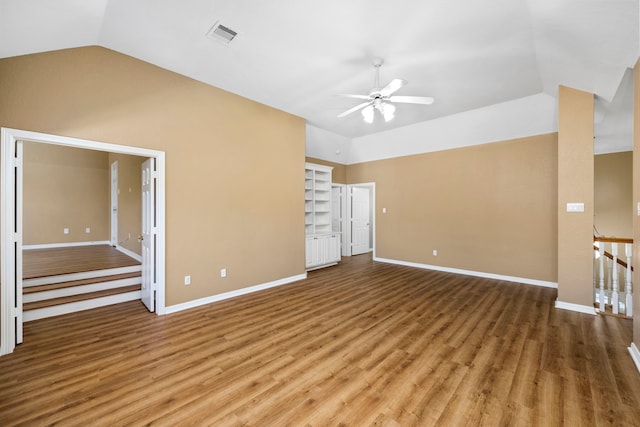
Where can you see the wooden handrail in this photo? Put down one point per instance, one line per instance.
(612, 239)
(610, 256)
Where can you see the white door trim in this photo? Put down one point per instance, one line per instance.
(372, 186)
(8, 293)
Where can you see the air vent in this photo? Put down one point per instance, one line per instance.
(221, 33)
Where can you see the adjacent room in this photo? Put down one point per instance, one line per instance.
(319, 213)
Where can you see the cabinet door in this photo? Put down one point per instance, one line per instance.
(322, 250)
(310, 251)
(333, 251)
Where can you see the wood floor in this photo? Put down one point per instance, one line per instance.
(358, 344)
(74, 259)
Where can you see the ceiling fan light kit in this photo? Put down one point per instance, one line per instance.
(382, 99)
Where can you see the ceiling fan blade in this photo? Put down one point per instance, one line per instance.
(354, 109)
(392, 87)
(425, 100)
(348, 95)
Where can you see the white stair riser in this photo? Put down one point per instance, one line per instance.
(82, 289)
(72, 307)
(80, 276)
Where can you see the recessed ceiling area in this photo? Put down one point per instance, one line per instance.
(298, 56)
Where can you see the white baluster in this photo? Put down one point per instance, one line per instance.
(628, 284)
(615, 289)
(601, 259)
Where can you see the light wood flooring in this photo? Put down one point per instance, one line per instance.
(358, 344)
(74, 259)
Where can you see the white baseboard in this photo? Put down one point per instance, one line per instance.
(64, 245)
(471, 273)
(129, 253)
(635, 355)
(214, 298)
(586, 309)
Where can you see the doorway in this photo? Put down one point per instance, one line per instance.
(361, 218)
(11, 223)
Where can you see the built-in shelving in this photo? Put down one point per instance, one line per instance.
(323, 245)
(317, 195)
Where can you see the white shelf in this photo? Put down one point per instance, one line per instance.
(322, 246)
(317, 196)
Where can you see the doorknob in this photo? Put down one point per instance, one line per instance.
(140, 238)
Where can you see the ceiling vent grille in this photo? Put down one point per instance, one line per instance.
(221, 33)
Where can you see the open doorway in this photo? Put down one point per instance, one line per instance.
(11, 237)
(361, 218)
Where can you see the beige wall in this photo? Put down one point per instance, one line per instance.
(234, 168)
(613, 195)
(64, 188)
(129, 200)
(636, 200)
(575, 185)
(489, 208)
(339, 172)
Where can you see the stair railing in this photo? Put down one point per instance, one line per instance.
(609, 271)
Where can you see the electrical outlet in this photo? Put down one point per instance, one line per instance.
(435, 252)
(187, 280)
(65, 230)
(87, 230)
(223, 272)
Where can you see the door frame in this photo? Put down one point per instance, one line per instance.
(9, 220)
(372, 187)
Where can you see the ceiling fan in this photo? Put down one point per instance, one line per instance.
(382, 99)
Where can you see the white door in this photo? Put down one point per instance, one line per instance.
(336, 209)
(339, 215)
(148, 234)
(360, 224)
(17, 245)
(114, 203)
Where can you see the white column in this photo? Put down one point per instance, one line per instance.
(601, 259)
(628, 284)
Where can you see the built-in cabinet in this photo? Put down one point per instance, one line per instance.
(322, 244)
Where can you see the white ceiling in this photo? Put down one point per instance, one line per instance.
(298, 55)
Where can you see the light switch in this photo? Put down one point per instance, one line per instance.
(575, 207)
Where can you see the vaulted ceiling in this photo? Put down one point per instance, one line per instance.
(298, 55)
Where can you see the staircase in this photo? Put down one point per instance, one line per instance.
(67, 293)
(613, 277)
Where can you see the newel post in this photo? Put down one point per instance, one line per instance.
(628, 247)
(615, 291)
(601, 259)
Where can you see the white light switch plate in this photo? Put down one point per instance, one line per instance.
(575, 207)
